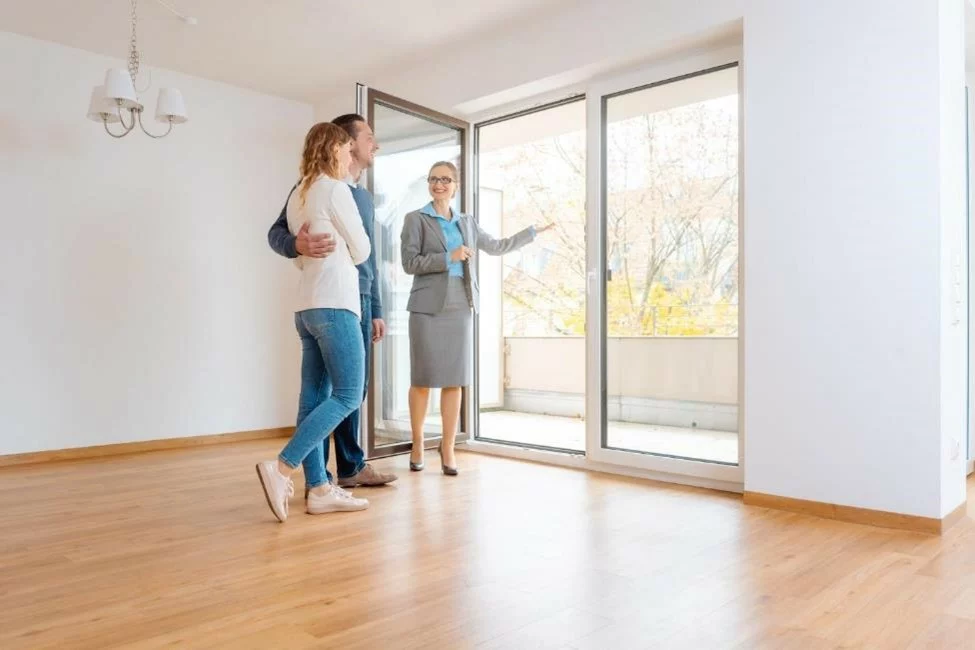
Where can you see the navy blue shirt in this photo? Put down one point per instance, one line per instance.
(283, 243)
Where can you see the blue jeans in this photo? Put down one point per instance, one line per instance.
(349, 457)
(332, 353)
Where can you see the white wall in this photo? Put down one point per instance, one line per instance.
(954, 278)
(138, 296)
(338, 104)
(970, 80)
(844, 212)
(850, 394)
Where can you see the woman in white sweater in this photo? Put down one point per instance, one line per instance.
(327, 318)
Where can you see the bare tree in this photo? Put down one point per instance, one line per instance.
(672, 220)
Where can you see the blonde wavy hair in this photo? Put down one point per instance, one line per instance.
(320, 155)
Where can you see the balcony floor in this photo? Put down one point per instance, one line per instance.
(569, 433)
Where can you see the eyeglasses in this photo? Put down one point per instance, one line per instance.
(443, 180)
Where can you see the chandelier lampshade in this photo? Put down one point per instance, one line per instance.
(117, 100)
(170, 106)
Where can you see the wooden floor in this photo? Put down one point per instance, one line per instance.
(179, 548)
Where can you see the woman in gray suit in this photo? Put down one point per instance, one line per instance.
(438, 246)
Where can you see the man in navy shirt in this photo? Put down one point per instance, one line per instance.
(350, 462)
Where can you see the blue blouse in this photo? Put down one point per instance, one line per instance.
(452, 235)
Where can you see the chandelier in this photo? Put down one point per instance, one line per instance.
(116, 102)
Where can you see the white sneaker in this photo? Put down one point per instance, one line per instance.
(277, 488)
(335, 499)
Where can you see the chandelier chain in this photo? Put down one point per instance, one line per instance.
(133, 48)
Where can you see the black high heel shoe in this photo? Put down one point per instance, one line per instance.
(447, 471)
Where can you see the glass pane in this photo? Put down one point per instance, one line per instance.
(409, 146)
(672, 282)
(532, 323)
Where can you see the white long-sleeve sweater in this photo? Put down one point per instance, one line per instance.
(333, 281)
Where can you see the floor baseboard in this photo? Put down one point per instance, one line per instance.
(878, 518)
(123, 448)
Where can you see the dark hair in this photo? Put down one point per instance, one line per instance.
(350, 122)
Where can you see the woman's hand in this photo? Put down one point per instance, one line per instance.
(540, 229)
(461, 254)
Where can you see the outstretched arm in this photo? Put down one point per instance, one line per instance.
(493, 246)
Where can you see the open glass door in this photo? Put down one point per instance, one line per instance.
(411, 139)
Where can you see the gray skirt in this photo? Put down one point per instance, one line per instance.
(442, 345)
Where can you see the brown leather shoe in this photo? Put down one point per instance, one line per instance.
(368, 477)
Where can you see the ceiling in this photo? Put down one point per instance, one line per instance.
(299, 49)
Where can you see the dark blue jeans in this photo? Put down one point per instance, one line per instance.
(349, 457)
(332, 374)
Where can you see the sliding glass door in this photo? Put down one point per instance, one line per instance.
(532, 322)
(663, 271)
(617, 334)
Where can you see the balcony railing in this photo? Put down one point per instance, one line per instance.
(672, 381)
(651, 321)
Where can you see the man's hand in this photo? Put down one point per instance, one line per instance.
(320, 245)
(378, 330)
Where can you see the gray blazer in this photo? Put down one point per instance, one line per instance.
(423, 248)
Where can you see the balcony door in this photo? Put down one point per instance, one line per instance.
(531, 169)
(616, 335)
(663, 335)
(411, 139)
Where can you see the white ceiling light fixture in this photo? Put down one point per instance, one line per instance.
(111, 101)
